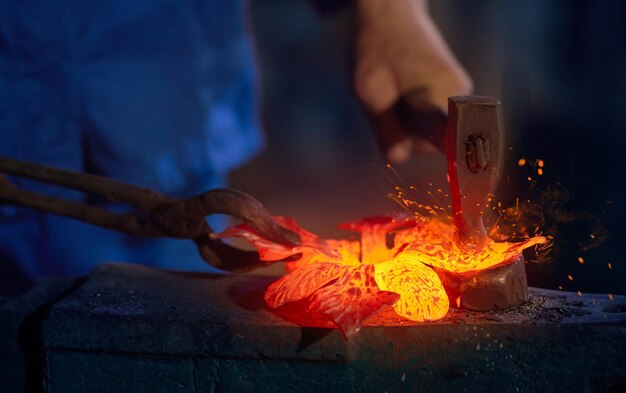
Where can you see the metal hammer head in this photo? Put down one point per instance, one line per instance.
(473, 150)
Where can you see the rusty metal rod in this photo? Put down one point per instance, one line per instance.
(114, 190)
(127, 223)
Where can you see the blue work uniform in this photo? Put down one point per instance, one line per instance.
(157, 93)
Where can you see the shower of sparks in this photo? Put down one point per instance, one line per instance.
(397, 260)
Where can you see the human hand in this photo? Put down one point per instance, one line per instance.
(400, 54)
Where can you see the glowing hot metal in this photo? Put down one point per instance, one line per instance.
(431, 261)
(335, 283)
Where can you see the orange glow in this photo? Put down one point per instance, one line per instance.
(581, 260)
(422, 296)
(435, 246)
(521, 162)
(351, 299)
(302, 283)
(395, 263)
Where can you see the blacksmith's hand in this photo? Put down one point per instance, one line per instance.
(400, 50)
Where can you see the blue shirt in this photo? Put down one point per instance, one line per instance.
(157, 93)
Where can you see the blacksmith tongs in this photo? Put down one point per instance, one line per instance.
(158, 216)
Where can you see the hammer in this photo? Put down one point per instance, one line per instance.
(470, 137)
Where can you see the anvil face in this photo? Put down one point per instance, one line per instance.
(145, 330)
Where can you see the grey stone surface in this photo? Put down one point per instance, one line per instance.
(95, 372)
(21, 355)
(272, 375)
(136, 324)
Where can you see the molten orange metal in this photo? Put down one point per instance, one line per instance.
(395, 263)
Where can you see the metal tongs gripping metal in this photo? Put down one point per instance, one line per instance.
(157, 215)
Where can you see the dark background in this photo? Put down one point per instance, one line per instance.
(559, 68)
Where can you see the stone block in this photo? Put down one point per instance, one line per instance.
(94, 372)
(147, 324)
(21, 349)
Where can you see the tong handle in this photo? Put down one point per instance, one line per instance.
(111, 189)
(127, 223)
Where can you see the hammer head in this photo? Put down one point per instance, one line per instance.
(473, 150)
